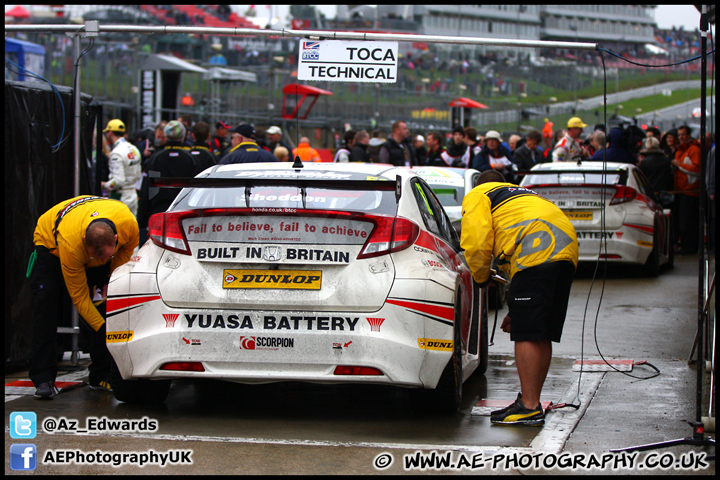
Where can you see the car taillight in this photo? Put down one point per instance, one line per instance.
(183, 366)
(165, 230)
(404, 232)
(623, 194)
(356, 370)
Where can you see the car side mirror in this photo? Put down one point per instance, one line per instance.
(666, 198)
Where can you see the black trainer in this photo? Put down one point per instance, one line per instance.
(101, 387)
(517, 414)
(506, 409)
(46, 391)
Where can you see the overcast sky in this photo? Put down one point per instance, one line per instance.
(668, 16)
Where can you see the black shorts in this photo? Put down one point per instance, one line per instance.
(538, 299)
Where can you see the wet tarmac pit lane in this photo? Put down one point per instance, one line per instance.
(319, 414)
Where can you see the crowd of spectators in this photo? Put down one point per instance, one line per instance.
(670, 160)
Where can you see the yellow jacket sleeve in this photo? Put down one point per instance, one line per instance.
(72, 262)
(477, 237)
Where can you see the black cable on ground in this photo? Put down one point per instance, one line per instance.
(602, 221)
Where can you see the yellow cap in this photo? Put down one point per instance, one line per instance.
(115, 126)
(575, 122)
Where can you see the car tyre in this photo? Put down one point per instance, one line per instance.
(497, 295)
(484, 342)
(447, 395)
(671, 248)
(484, 348)
(652, 265)
(145, 392)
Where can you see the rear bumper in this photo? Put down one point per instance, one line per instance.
(622, 246)
(263, 347)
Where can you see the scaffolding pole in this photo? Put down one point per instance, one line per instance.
(309, 34)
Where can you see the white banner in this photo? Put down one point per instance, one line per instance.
(348, 61)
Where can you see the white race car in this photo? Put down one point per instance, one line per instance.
(330, 273)
(614, 210)
(450, 185)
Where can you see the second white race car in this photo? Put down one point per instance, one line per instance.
(613, 208)
(450, 185)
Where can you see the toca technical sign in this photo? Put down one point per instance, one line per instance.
(348, 61)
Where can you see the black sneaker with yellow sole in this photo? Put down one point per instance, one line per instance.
(517, 414)
(101, 387)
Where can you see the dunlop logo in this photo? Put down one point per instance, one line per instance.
(435, 344)
(115, 337)
(579, 215)
(279, 279)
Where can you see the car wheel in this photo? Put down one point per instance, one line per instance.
(146, 392)
(652, 265)
(494, 299)
(497, 296)
(448, 393)
(484, 342)
(484, 350)
(671, 247)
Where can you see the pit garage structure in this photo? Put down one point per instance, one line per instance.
(159, 84)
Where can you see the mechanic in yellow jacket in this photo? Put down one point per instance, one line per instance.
(533, 241)
(78, 244)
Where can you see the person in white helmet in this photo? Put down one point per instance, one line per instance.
(125, 166)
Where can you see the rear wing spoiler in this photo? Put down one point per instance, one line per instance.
(622, 172)
(248, 183)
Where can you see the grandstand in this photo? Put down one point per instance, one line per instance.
(193, 15)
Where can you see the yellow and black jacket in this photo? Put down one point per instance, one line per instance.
(517, 227)
(61, 230)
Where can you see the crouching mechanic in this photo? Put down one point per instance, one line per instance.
(533, 241)
(78, 244)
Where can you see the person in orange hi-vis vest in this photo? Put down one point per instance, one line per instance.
(306, 152)
(686, 165)
(547, 133)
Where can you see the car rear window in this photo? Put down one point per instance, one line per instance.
(382, 202)
(573, 178)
